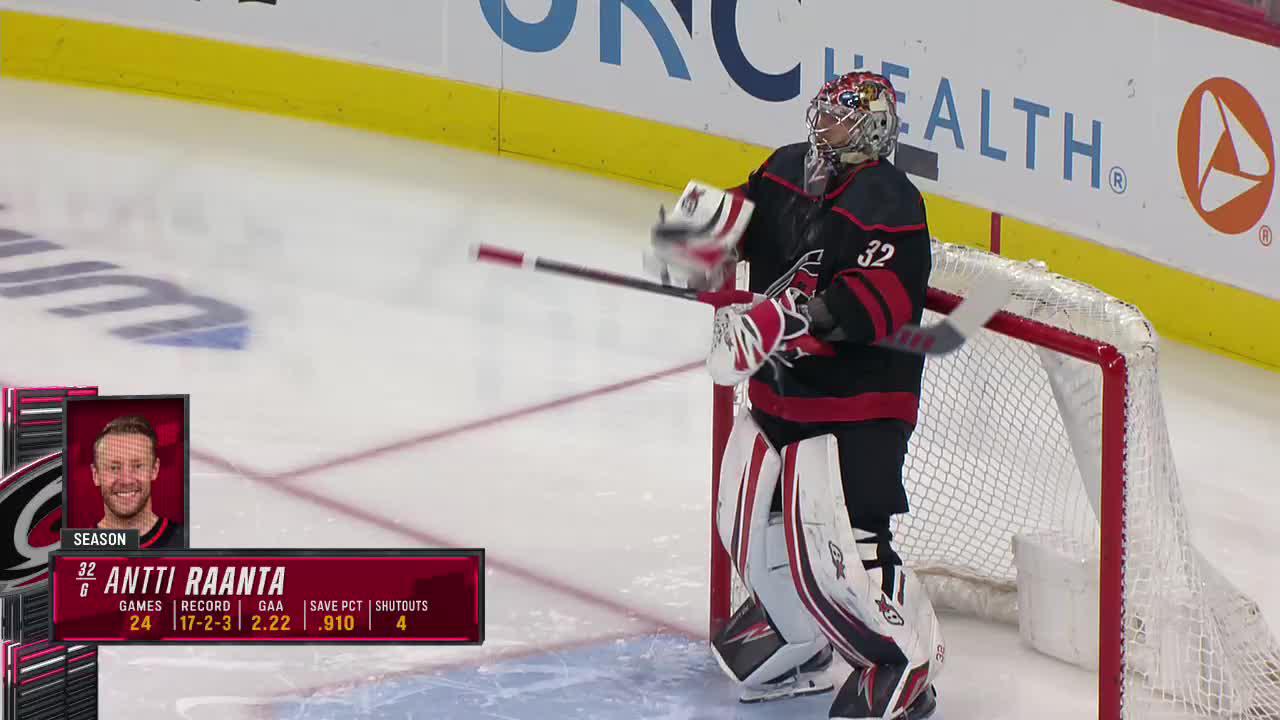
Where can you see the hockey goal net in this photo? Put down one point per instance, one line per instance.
(1048, 428)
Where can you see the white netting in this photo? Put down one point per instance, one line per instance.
(1010, 442)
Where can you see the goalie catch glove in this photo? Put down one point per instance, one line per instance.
(745, 338)
(697, 243)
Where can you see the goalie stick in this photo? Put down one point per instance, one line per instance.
(940, 338)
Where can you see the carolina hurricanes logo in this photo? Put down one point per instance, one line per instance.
(691, 199)
(31, 504)
(837, 559)
(806, 281)
(802, 275)
(755, 632)
(889, 612)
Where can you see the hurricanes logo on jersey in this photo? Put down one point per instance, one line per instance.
(802, 275)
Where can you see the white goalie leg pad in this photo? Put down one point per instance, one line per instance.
(863, 622)
(769, 577)
(748, 478)
(756, 542)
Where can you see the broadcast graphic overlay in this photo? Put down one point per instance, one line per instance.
(127, 467)
(40, 679)
(433, 597)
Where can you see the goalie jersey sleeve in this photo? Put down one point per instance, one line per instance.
(880, 271)
(863, 248)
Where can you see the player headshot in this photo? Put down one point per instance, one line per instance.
(125, 467)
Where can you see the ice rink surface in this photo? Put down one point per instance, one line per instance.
(383, 392)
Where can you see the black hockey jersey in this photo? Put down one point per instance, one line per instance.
(165, 534)
(864, 249)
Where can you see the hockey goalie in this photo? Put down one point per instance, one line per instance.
(837, 241)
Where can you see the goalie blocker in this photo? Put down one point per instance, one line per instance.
(807, 531)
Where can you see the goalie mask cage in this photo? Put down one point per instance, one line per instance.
(1048, 424)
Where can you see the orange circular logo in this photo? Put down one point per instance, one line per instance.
(1226, 156)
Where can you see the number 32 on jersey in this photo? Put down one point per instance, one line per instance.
(876, 254)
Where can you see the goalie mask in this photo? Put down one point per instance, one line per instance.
(852, 119)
